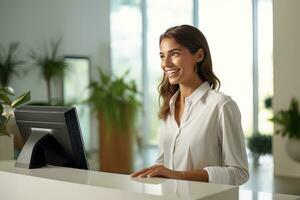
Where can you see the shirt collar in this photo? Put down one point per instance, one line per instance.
(194, 97)
(198, 93)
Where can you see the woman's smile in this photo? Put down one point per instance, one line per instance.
(172, 72)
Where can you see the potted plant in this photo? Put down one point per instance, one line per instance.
(259, 144)
(50, 63)
(289, 122)
(9, 63)
(268, 102)
(115, 102)
(7, 106)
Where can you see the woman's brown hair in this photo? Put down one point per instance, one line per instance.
(192, 39)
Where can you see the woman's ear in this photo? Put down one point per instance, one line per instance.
(199, 55)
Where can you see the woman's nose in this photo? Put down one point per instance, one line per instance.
(167, 62)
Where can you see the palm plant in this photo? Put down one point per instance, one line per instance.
(9, 63)
(50, 63)
(116, 100)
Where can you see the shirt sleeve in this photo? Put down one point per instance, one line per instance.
(235, 169)
(160, 158)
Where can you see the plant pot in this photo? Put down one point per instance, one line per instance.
(293, 148)
(116, 150)
(6, 147)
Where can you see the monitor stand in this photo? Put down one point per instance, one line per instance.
(40, 149)
(32, 154)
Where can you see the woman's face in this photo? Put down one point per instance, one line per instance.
(177, 62)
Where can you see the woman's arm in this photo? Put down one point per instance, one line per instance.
(235, 165)
(161, 171)
(220, 175)
(227, 175)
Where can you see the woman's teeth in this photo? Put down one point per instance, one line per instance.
(170, 72)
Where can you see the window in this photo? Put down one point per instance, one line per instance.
(265, 64)
(126, 43)
(126, 38)
(75, 84)
(227, 26)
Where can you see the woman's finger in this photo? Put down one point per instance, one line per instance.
(135, 174)
(162, 172)
(146, 174)
(142, 171)
(154, 172)
(157, 173)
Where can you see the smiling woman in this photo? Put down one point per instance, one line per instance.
(178, 49)
(201, 134)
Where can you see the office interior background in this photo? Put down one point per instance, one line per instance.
(254, 46)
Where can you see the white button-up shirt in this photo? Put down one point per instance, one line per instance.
(209, 137)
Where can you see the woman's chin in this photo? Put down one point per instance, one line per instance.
(173, 81)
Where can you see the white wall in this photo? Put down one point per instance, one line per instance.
(84, 26)
(286, 74)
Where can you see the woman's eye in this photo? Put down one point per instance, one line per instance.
(161, 56)
(175, 54)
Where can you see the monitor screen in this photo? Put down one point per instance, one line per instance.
(52, 136)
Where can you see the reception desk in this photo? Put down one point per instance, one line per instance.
(66, 183)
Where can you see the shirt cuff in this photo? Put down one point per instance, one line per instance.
(218, 175)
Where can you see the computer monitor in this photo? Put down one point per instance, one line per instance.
(52, 136)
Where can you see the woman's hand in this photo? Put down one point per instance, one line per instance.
(161, 171)
(156, 171)
(144, 172)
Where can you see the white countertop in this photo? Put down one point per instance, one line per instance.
(77, 184)
(66, 183)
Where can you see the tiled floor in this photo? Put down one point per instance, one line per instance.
(262, 179)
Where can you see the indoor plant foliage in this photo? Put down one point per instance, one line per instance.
(7, 106)
(9, 63)
(50, 63)
(289, 121)
(259, 144)
(116, 102)
(268, 102)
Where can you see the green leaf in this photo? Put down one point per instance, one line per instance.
(116, 100)
(5, 99)
(21, 99)
(55, 46)
(105, 79)
(289, 120)
(50, 64)
(9, 63)
(7, 91)
(260, 144)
